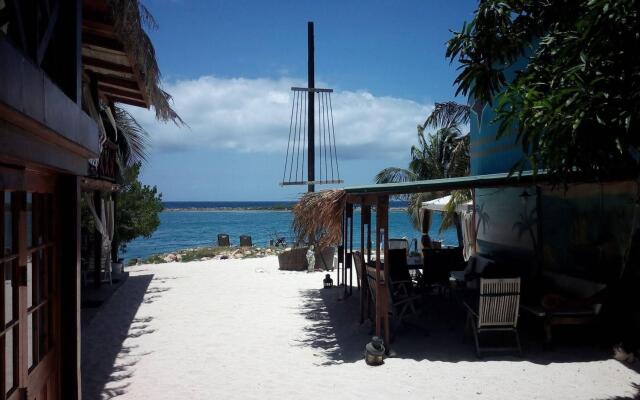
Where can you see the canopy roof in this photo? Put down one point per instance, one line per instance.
(440, 204)
(435, 185)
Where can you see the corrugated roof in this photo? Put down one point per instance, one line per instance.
(463, 182)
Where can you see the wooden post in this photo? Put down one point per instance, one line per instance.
(311, 159)
(475, 230)
(68, 227)
(369, 233)
(383, 209)
(97, 245)
(380, 287)
(343, 248)
(365, 218)
(350, 263)
(382, 275)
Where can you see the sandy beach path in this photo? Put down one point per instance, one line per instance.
(241, 329)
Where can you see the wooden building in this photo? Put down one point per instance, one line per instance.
(61, 62)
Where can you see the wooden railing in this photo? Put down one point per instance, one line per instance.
(106, 168)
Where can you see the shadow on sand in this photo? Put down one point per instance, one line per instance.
(106, 362)
(437, 334)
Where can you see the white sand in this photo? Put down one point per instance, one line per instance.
(241, 329)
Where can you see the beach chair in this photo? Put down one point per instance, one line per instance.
(245, 241)
(496, 311)
(223, 240)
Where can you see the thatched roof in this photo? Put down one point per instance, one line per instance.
(129, 16)
(117, 51)
(319, 215)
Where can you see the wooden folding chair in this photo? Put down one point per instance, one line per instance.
(497, 311)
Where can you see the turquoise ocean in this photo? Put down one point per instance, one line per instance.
(197, 224)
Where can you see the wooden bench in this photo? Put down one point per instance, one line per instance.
(584, 309)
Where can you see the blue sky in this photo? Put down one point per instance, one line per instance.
(230, 66)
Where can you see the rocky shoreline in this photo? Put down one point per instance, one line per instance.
(209, 253)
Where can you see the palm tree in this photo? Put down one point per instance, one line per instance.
(444, 153)
(132, 138)
(131, 141)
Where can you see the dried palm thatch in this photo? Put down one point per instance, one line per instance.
(318, 215)
(129, 16)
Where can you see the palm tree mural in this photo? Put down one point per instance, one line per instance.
(443, 153)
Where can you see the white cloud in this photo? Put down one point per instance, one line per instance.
(252, 115)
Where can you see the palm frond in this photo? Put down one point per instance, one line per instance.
(448, 114)
(395, 175)
(414, 205)
(132, 139)
(458, 197)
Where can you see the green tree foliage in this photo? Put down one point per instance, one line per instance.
(441, 154)
(576, 105)
(139, 208)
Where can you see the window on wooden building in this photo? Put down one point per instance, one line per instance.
(39, 264)
(9, 296)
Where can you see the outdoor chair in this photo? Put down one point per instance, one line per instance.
(223, 240)
(365, 295)
(438, 264)
(245, 241)
(399, 271)
(402, 302)
(496, 311)
(401, 287)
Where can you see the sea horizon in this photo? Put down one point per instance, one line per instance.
(190, 224)
(266, 205)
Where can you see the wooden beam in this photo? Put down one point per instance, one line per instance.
(103, 42)
(124, 100)
(114, 91)
(92, 184)
(46, 38)
(118, 82)
(92, 25)
(108, 65)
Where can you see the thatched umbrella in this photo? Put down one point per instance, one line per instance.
(318, 215)
(129, 17)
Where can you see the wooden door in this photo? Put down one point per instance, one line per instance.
(28, 298)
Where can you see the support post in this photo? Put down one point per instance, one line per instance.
(369, 244)
(311, 159)
(68, 227)
(382, 273)
(475, 228)
(97, 245)
(348, 261)
(365, 219)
